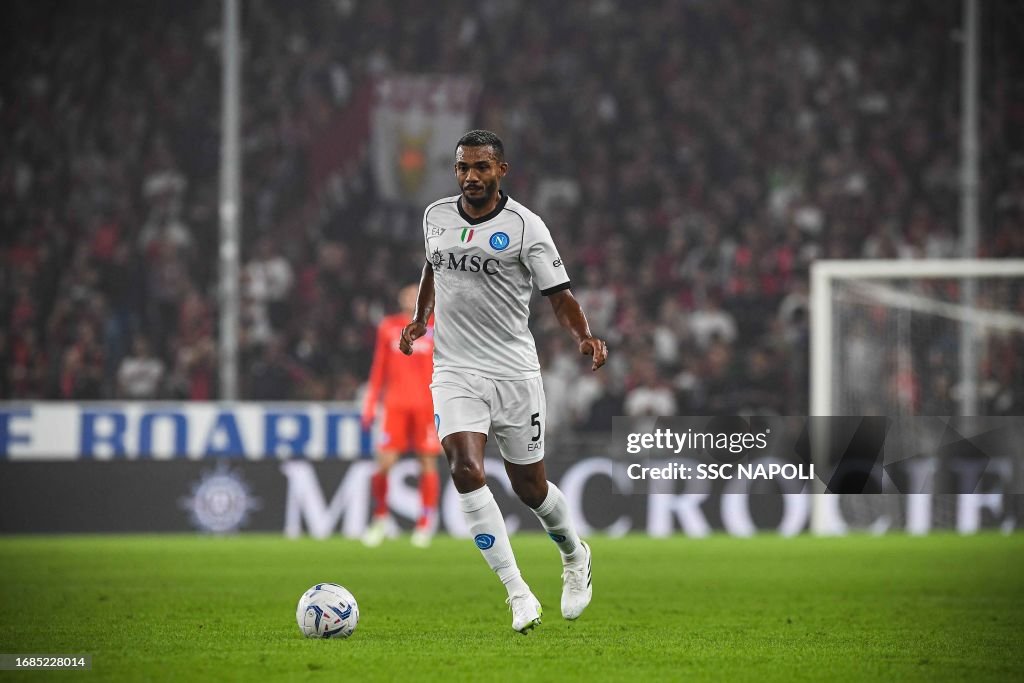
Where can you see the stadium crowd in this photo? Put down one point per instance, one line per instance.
(691, 158)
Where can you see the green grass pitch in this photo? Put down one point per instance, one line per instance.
(177, 608)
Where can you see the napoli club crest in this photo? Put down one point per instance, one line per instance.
(499, 241)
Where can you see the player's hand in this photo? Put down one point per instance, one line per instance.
(411, 333)
(592, 346)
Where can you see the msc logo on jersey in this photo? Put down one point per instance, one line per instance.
(464, 263)
(499, 241)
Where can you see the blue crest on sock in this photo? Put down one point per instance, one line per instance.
(483, 541)
(557, 538)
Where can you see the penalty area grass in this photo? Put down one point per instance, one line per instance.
(170, 608)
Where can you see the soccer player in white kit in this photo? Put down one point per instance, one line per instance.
(484, 251)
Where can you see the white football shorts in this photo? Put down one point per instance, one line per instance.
(514, 409)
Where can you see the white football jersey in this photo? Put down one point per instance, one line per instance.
(484, 269)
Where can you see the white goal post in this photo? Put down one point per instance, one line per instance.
(825, 273)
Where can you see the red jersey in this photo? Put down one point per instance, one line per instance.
(398, 380)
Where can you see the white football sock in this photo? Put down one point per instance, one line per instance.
(489, 533)
(553, 513)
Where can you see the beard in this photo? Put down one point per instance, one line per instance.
(483, 198)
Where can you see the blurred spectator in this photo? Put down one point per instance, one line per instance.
(600, 402)
(709, 323)
(268, 281)
(193, 373)
(650, 394)
(670, 335)
(314, 361)
(272, 373)
(141, 374)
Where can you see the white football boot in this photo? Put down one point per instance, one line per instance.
(376, 532)
(423, 534)
(576, 588)
(526, 612)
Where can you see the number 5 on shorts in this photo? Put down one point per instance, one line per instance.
(535, 422)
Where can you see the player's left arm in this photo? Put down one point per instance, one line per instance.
(548, 270)
(570, 315)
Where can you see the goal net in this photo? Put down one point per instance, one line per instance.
(914, 338)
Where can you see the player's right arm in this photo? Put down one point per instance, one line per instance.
(424, 309)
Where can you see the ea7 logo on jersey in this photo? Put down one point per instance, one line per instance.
(465, 263)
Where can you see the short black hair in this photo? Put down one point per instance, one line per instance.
(483, 138)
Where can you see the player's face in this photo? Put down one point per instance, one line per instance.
(479, 173)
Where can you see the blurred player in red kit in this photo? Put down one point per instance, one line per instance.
(402, 384)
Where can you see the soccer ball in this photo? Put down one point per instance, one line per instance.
(327, 610)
